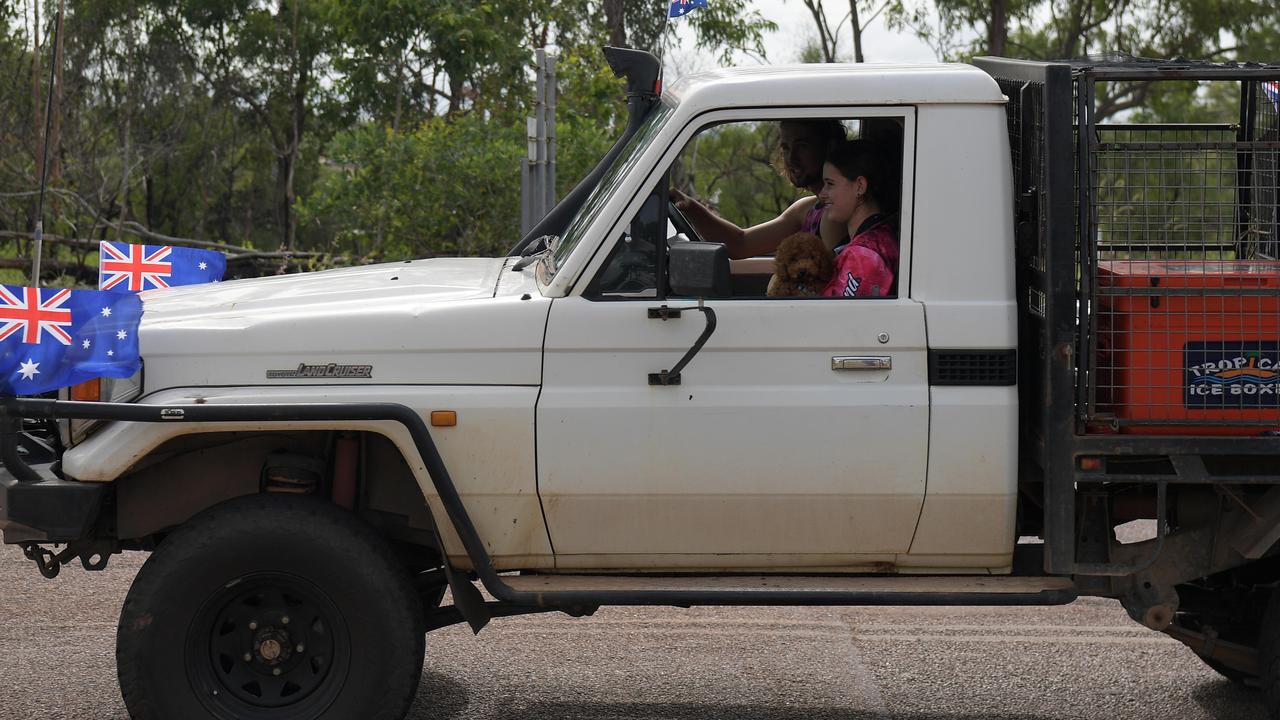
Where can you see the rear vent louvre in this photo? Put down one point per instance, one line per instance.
(973, 367)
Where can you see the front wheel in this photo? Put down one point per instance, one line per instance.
(271, 606)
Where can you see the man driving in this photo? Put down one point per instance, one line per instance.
(802, 149)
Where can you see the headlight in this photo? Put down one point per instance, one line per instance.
(96, 390)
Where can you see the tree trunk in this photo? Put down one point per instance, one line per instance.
(456, 86)
(613, 20)
(284, 200)
(128, 128)
(37, 105)
(55, 105)
(149, 185)
(856, 25)
(998, 27)
(289, 158)
(380, 233)
(826, 40)
(124, 175)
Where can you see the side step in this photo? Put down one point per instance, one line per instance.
(562, 590)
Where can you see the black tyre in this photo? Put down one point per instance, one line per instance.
(271, 606)
(1269, 650)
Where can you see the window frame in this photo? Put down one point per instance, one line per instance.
(695, 125)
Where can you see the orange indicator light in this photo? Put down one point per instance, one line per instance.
(90, 390)
(443, 418)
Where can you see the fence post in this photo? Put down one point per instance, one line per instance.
(538, 167)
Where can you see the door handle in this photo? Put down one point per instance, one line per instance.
(862, 362)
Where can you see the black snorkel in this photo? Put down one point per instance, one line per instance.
(643, 73)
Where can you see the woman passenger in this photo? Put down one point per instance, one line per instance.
(867, 264)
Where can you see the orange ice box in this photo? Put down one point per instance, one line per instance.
(1187, 347)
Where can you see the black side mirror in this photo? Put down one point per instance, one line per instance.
(699, 269)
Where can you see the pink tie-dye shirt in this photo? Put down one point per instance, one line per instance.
(867, 266)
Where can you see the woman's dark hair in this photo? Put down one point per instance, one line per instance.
(860, 158)
(829, 132)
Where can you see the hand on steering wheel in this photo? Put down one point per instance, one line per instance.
(678, 218)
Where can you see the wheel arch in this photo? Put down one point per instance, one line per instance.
(191, 472)
(164, 474)
(491, 450)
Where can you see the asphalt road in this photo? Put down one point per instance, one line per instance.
(1086, 660)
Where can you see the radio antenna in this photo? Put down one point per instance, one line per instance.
(38, 249)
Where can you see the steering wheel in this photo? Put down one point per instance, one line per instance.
(683, 226)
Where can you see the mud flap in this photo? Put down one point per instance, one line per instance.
(468, 600)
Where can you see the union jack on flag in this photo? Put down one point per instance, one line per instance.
(1271, 89)
(133, 267)
(52, 338)
(26, 312)
(122, 266)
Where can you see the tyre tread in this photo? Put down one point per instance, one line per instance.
(1269, 651)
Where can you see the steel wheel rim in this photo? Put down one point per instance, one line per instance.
(268, 645)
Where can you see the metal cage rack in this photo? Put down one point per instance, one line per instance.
(1147, 278)
(1174, 237)
(1179, 272)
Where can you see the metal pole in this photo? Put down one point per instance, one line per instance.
(550, 130)
(526, 196)
(540, 120)
(529, 183)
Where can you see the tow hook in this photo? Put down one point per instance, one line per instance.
(93, 556)
(47, 562)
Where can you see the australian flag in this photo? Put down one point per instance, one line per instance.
(680, 8)
(56, 337)
(146, 267)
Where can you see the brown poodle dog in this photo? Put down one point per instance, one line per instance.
(802, 267)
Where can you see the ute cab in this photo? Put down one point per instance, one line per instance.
(806, 433)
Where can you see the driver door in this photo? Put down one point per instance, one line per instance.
(797, 438)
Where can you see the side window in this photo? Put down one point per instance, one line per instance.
(738, 171)
(631, 270)
(752, 184)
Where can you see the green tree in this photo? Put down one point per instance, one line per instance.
(269, 56)
(860, 15)
(364, 130)
(1218, 30)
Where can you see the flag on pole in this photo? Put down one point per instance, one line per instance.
(146, 267)
(1272, 90)
(56, 337)
(680, 8)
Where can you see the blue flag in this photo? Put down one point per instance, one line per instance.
(146, 267)
(680, 8)
(55, 337)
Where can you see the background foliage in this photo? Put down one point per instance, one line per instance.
(304, 133)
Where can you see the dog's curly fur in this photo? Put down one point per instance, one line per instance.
(802, 267)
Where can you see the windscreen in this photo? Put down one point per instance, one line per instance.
(609, 183)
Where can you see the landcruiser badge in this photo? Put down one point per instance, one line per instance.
(331, 370)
